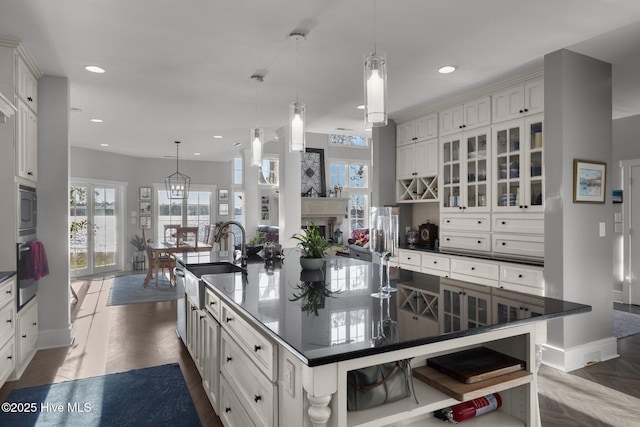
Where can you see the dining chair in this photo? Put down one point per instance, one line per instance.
(187, 236)
(173, 230)
(158, 262)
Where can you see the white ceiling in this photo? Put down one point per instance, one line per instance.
(180, 70)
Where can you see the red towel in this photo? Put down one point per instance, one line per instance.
(35, 262)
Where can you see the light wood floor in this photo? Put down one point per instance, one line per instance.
(121, 338)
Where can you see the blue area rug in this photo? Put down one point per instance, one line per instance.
(625, 324)
(130, 290)
(155, 396)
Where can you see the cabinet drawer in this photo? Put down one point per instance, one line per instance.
(436, 262)
(410, 259)
(262, 351)
(529, 224)
(212, 303)
(6, 291)
(256, 393)
(514, 244)
(462, 222)
(7, 322)
(7, 361)
(525, 276)
(232, 413)
(475, 271)
(467, 241)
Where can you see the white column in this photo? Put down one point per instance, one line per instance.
(290, 188)
(251, 196)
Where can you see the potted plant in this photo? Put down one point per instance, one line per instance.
(138, 256)
(313, 247)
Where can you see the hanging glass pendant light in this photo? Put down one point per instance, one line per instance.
(257, 134)
(177, 184)
(296, 110)
(375, 85)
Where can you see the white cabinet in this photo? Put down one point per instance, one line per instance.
(519, 166)
(470, 115)
(520, 278)
(475, 271)
(7, 329)
(518, 101)
(27, 85)
(27, 143)
(26, 335)
(465, 165)
(417, 171)
(422, 128)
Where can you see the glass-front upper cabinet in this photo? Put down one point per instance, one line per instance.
(465, 170)
(519, 172)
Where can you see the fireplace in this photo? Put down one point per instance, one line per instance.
(326, 213)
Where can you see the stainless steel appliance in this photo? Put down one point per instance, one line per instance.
(27, 287)
(181, 325)
(28, 211)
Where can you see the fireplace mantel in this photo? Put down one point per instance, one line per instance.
(324, 211)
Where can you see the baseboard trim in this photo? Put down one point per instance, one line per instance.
(580, 356)
(54, 338)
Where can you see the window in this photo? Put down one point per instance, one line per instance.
(347, 140)
(353, 178)
(237, 170)
(194, 212)
(238, 212)
(268, 172)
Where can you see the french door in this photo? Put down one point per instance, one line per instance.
(95, 227)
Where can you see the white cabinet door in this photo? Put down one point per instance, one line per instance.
(477, 113)
(405, 133)
(27, 143)
(451, 120)
(518, 101)
(427, 127)
(534, 97)
(426, 158)
(405, 161)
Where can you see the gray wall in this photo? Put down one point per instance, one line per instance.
(138, 172)
(383, 168)
(53, 204)
(578, 262)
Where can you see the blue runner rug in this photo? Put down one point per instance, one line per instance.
(130, 290)
(625, 324)
(155, 396)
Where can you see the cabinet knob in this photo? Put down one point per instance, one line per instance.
(24, 336)
(526, 110)
(227, 409)
(521, 206)
(479, 242)
(473, 268)
(229, 319)
(212, 303)
(521, 111)
(257, 347)
(503, 222)
(9, 320)
(408, 258)
(229, 358)
(30, 173)
(479, 222)
(464, 207)
(9, 292)
(504, 243)
(447, 239)
(193, 308)
(201, 317)
(9, 357)
(435, 262)
(257, 397)
(519, 276)
(30, 99)
(35, 323)
(526, 206)
(448, 221)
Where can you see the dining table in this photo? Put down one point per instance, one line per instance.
(170, 248)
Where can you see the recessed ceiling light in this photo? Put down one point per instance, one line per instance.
(96, 120)
(217, 136)
(94, 69)
(196, 154)
(360, 107)
(237, 144)
(446, 69)
(104, 145)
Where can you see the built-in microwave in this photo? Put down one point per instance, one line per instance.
(28, 206)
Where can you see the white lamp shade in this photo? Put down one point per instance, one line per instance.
(375, 90)
(296, 127)
(257, 136)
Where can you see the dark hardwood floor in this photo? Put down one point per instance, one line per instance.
(121, 338)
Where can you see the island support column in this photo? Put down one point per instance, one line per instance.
(320, 384)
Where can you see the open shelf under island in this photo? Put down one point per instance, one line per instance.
(268, 359)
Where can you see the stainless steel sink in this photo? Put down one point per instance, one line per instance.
(215, 268)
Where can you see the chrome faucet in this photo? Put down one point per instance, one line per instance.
(243, 248)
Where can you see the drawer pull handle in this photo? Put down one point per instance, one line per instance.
(9, 357)
(229, 319)
(229, 358)
(257, 398)
(24, 336)
(257, 347)
(227, 409)
(212, 303)
(9, 320)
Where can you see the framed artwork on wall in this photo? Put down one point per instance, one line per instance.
(312, 173)
(589, 181)
(145, 208)
(145, 222)
(145, 193)
(223, 195)
(223, 209)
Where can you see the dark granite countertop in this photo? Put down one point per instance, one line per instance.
(347, 322)
(4, 275)
(479, 255)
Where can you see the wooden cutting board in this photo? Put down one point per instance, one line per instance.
(476, 364)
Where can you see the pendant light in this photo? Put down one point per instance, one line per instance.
(177, 184)
(375, 84)
(296, 110)
(257, 134)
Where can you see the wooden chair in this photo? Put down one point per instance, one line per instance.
(172, 229)
(158, 262)
(187, 236)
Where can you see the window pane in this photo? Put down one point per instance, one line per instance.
(237, 170)
(357, 176)
(338, 139)
(357, 212)
(269, 172)
(338, 175)
(358, 141)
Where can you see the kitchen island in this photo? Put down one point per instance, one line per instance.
(268, 358)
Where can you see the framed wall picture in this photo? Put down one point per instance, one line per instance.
(145, 222)
(223, 209)
(145, 208)
(312, 173)
(589, 181)
(145, 193)
(223, 195)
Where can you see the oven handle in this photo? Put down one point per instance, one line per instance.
(25, 248)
